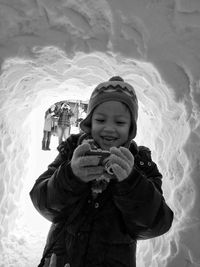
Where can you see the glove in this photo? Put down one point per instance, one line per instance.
(122, 162)
(85, 167)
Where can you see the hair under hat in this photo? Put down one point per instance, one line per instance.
(113, 90)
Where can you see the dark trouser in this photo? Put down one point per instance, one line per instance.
(46, 140)
(63, 132)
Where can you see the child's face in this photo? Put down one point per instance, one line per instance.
(111, 123)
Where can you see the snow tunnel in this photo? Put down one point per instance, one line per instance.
(52, 51)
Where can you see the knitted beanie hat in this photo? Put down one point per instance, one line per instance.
(113, 90)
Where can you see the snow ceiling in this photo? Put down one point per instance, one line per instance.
(53, 50)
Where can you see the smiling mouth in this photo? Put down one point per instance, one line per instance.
(108, 139)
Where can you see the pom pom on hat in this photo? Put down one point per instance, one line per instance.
(113, 90)
(116, 78)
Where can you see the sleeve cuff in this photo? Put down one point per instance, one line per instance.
(127, 185)
(65, 180)
(74, 181)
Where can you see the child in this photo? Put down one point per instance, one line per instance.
(100, 208)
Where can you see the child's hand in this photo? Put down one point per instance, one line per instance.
(122, 162)
(85, 167)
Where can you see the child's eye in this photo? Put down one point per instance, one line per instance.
(120, 122)
(99, 120)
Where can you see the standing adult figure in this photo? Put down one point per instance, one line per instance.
(48, 127)
(64, 125)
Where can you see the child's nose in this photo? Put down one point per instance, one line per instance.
(109, 127)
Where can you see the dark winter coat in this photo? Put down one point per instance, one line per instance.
(101, 232)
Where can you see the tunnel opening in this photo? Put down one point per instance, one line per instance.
(28, 87)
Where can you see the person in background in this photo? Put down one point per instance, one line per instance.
(100, 207)
(54, 126)
(63, 128)
(81, 116)
(48, 127)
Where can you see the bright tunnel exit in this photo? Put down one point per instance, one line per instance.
(33, 86)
